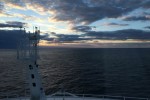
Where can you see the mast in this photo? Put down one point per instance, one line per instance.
(28, 51)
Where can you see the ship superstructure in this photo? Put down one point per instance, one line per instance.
(28, 52)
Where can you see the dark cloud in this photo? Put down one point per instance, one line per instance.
(13, 24)
(53, 33)
(137, 18)
(111, 35)
(9, 38)
(121, 34)
(146, 4)
(115, 24)
(83, 28)
(79, 11)
(145, 13)
(90, 28)
(20, 3)
(148, 27)
(53, 37)
(86, 11)
(66, 38)
(1, 7)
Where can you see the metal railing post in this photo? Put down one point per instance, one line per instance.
(83, 96)
(124, 98)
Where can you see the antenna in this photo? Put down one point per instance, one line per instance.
(27, 48)
(33, 28)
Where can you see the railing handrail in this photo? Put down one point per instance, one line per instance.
(7, 95)
(106, 96)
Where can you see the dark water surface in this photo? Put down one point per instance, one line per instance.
(124, 72)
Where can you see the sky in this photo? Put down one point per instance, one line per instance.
(78, 23)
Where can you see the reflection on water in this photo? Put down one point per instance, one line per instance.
(95, 71)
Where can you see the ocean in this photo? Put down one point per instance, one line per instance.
(118, 72)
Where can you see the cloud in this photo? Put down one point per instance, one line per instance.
(88, 11)
(65, 38)
(148, 27)
(78, 11)
(136, 18)
(27, 17)
(83, 11)
(15, 6)
(12, 24)
(121, 34)
(9, 38)
(44, 36)
(3, 14)
(20, 3)
(114, 24)
(146, 3)
(53, 33)
(62, 37)
(83, 28)
(1, 7)
(126, 34)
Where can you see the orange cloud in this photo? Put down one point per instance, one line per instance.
(14, 6)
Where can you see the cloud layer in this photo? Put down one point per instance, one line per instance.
(83, 11)
(148, 27)
(126, 34)
(88, 11)
(114, 24)
(9, 38)
(121, 34)
(79, 15)
(137, 18)
(83, 28)
(13, 24)
(1, 7)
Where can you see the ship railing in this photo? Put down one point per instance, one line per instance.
(81, 96)
(85, 96)
(9, 96)
(110, 97)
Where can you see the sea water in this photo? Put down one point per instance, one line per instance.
(123, 72)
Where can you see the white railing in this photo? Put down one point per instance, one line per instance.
(8, 95)
(83, 96)
(110, 97)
